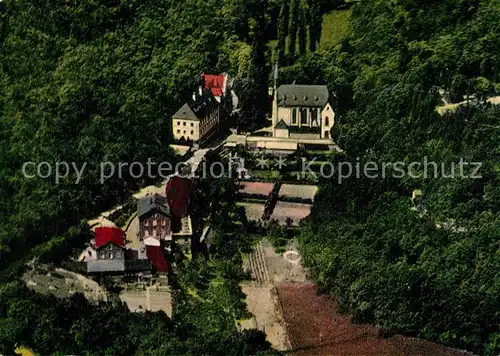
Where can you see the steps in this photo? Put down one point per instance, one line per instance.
(257, 265)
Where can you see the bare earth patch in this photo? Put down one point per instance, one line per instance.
(151, 299)
(256, 188)
(296, 211)
(316, 327)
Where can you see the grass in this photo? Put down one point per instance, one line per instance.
(266, 175)
(335, 28)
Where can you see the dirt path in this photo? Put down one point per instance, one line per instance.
(263, 304)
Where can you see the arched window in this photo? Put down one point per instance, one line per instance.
(294, 116)
(314, 117)
(303, 117)
(327, 121)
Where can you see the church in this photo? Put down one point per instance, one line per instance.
(302, 112)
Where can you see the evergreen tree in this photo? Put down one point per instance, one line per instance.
(283, 22)
(294, 21)
(302, 31)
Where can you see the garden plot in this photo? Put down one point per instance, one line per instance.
(296, 211)
(254, 211)
(256, 190)
(298, 193)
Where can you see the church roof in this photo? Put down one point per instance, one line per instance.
(281, 125)
(303, 95)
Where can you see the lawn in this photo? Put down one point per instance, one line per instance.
(335, 28)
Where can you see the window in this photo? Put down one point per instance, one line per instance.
(164, 223)
(184, 123)
(178, 131)
(110, 256)
(146, 223)
(154, 233)
(327, 121)
(314, 117)
(155, 222)
(294, 116)
(146, 233)
(327, 134)
(184, 132)
(178, 123)
(303, 116)
(192, 132)
(192, 125)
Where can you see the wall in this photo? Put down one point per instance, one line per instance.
(189, 129)
(327, 112)
(283, 133)
(285, 115)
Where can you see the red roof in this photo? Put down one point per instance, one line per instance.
(106, 235)
(178, 193)
(156, 257)
(213, 82)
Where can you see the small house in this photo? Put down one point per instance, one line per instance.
(110, 251)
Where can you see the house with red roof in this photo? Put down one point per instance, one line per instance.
(109, 251)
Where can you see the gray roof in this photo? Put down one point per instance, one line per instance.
(197, 109)
(106, 265)
(281, 125)
(153, 202)
(185, 113)
(303, 95)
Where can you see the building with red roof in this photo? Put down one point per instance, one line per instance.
(178, 192)
(216, 84)
(110, 251)
(155, 254)
(107, 234)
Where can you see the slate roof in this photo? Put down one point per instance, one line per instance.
(197, 109)
(281, 125)
(303, 95)
(185, 113)
(153, 202)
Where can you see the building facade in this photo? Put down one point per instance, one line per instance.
(154, 218)
(302, 111)
(200, 117)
